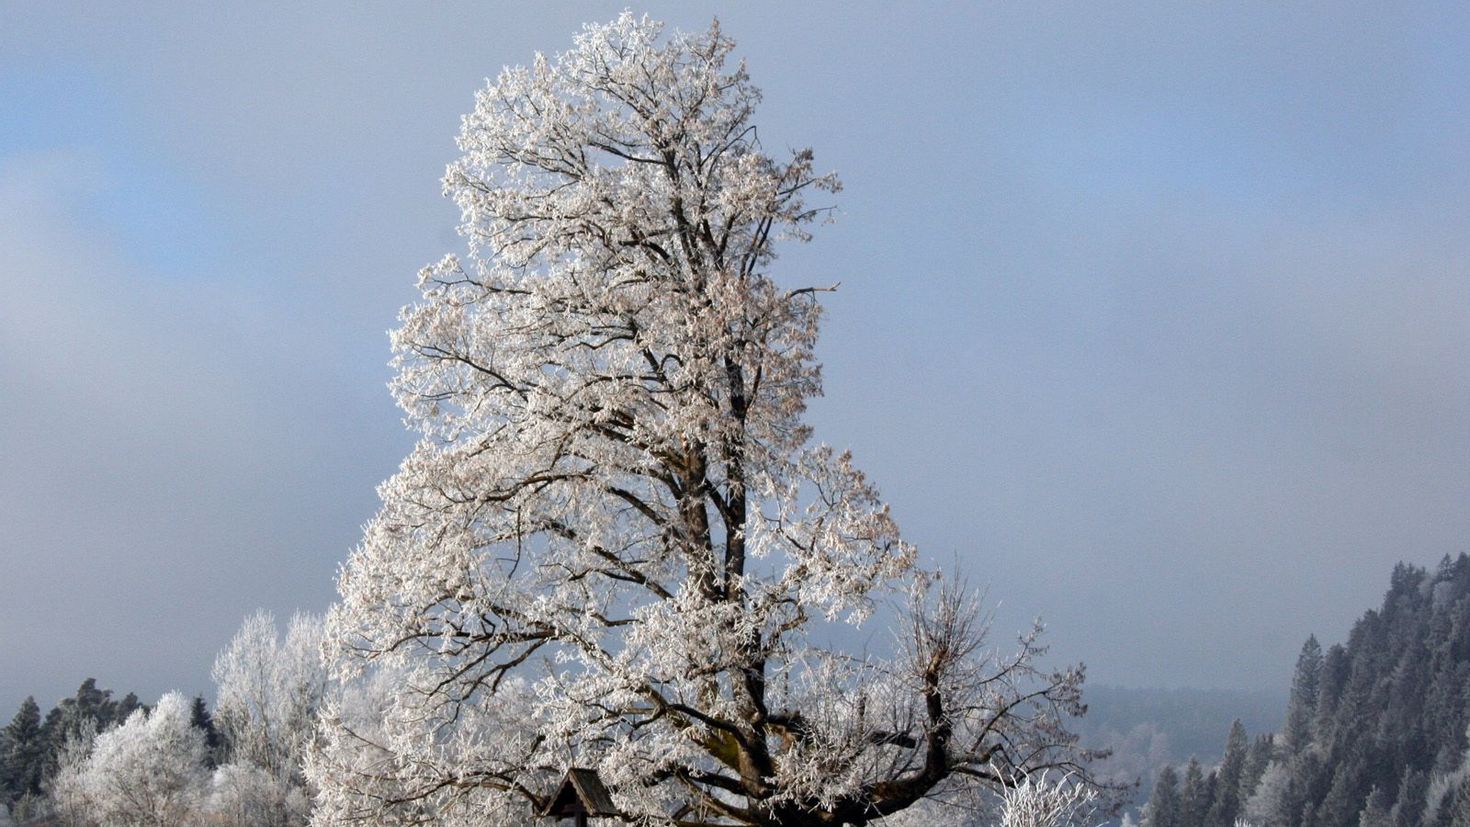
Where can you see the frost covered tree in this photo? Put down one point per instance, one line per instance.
(69, 799)
(269, 688)
(1226, 804)
(614, 538)
(1194, 795)
(244, 795)
(1275, 801)
(147, 772)
(1164, 807)
(269, 691)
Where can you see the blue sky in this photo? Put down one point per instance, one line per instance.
(1156, 319)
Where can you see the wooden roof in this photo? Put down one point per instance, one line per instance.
(581, 791)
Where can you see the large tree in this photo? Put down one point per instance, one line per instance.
(614, 545)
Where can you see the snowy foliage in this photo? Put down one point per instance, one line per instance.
(609, 545)
(70, 798)
(1272, 796)
(148, 772)
(247, 795)
(270, 690)
(1044, 800)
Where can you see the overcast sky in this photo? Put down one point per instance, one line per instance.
(1157, 320)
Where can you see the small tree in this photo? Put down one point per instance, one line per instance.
(244, 795)
(70, 795)
(1226, 806)
(1274, 800)
(611, 544)
(1164, 807)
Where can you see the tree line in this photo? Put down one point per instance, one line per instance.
(31, 746)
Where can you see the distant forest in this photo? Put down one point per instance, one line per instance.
(1145, 730)
(1374, 732)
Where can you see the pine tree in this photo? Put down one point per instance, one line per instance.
(1351, 786)
(22, 753)
(1194, 800)
(1257, 759)
(1226, 804)
(1335, 667)
(200, 719)
(1276, 801)
(1376, 811)
(1408, 806)
(125, 707)
(1457, 813)
(1165, 807)
(1304, 692)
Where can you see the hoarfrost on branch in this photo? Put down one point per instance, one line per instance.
(611, 541)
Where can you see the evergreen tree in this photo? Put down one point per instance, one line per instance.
(1311, 778)
(54, 738)
(1194, 801)
(1274, 802)
(1257, 759)
(79, 718)
(1351, 786)
(89, 704)
(1408, 806)
(1164, 806)
(22, 754)
(1456, 813)
(1335, 668)
(125, 707)
(1376, 811)
(200, 719)
(1304, 692)
(1225, 807)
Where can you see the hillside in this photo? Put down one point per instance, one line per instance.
(1374, 732)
